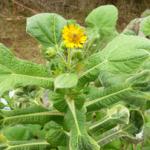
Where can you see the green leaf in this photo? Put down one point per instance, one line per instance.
(58, 101)
(110, 135)
(46, 28)
(106, 97)
(99, 98)
(17, 133)
(79, 138)
(128, 131)
(108, 78)
(103, 18)
(15, 72)
(118, 114)
(101, 27)
(123, 55)
(126, 54)
(145, 26)
(31, 115)
(57, 136)
(67, 80)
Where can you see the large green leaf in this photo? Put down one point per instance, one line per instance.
(15, 72)
(125, 54)
(101, 27)
(109, 78)
(103, 18)
(46, 28)
(99, 98)
(31, 115)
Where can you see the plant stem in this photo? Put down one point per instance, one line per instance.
(72, 108)
(69, 59)
(61, 56)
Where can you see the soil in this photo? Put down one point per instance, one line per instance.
(13, 35)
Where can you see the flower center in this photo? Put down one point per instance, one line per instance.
(74, 37)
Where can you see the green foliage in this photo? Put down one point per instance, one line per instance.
(145, 26)
(15, 72)
(31, 115)
(66, 81)
(84, 98)
(56, 136)
(46, 28)
(101, 26)
(103, 19)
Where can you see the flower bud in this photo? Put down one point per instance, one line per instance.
(50, 52)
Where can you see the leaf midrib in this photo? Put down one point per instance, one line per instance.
(91, 102)
(17, 74)
(119, 132)
(89, 70)
(28, 144)
(34, 114)
(37, 77)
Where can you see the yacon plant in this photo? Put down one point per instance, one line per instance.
(92, 93)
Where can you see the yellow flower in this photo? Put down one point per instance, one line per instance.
(74, 36)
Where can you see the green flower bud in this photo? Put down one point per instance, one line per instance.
(51, 52)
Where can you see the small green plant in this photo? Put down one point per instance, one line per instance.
(92, 93)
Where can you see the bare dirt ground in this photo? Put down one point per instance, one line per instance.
(13, 20)
(13, 35)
